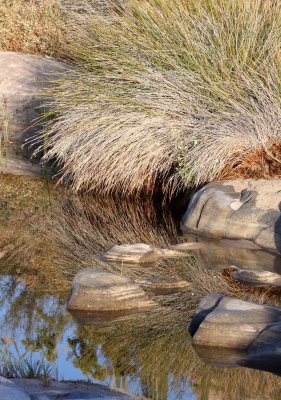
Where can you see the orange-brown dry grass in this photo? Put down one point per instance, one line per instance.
(260, 163)
(32, 26)
(264, 295)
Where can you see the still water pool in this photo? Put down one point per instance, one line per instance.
(147, 355)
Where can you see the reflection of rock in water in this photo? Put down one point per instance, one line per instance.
(266, 359)
(245, 255)
(102, 319)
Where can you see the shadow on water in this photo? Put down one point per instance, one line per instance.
(147, 354)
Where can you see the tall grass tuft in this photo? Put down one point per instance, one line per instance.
(166, 91)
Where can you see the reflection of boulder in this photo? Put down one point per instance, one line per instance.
(22, 77)
(162, 285)
(103, 292)
(266, 358)
(224, 253)
(237, 210)
(229, 332)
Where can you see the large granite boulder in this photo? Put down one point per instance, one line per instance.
(99, 291)
(222, 321)
(231, 332)
(242, 209)
(22, 78)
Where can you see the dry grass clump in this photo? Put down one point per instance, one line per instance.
(32, 26)
(261, 163)
(166, 89)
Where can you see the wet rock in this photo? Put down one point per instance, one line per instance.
(163, 285)
(140, 253)
(257, 278)
(99, 291)
(22, 77)
(242, 209)
(231, 323)
(10, 391)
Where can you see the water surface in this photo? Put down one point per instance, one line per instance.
(147, 354)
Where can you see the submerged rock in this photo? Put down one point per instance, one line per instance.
(257, 278)
(235, 324)
(140, 253)
(103, 292)
(22, 78)
(242, 209)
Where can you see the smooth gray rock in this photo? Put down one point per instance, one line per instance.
(232, 323)
(132, 253)
(243, 209)
(10, 391)
(22, 78)
(139, 253)
(102, 292)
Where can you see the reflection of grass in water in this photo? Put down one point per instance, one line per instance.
(86, 227)
(155, 346)
(14, 364)
(157, 350)
(24, 209)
